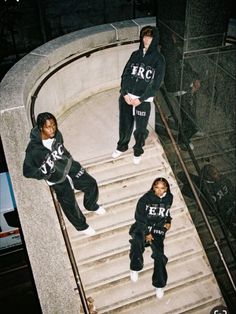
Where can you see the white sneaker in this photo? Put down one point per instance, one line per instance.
(199, 134)
(159, 293)
(136, 160)
(133, 275)
(116, 153)
(89, 231)
(100, 211)
(191, 146)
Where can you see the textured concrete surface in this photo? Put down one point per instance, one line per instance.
(90, 132)
(104, 267)
(37, 215)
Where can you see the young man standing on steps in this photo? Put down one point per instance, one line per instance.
(47, 159)
(140, 81)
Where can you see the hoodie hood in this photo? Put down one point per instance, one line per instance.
(42, 163)
(36, 140)
(35, 135)
(155, 40)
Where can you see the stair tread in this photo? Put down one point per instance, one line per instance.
(191, 270)
(152, 142)
(110, 270)
(119, 241)
(127, 187)
(196, 297)
(152, 152)
(117, 216)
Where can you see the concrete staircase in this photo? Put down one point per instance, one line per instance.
(103, 259)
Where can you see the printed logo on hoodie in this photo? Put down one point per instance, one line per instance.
(48, 164)
(143, 72)
(155, 210)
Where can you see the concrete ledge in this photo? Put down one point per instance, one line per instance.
(20, 79)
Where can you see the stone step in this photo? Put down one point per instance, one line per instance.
(195, 298)
(189, 271)
(117, 241)
(110, 270)
(126, 188)
(122, 169)
(107, 164)
(205, 307)
(100, 159)
(116, 216)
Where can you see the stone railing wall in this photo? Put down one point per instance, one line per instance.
(59, 79)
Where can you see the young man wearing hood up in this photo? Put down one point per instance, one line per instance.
(48, 159)
(140, 81)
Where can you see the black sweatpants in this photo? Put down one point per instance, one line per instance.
(138, 244)
(126, 125)
(66, 195)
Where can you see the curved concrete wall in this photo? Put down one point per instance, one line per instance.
(83, 77)
(91, 73)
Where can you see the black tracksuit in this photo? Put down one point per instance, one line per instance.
(57, 167)
(152, 213)
(142, 77)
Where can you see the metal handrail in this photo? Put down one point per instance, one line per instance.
(193, 189)
(165, 96)
(195, 163)
(70, 252)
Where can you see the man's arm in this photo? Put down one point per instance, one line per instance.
(140, 216)
(30, 170)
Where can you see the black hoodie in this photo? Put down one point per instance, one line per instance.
(42, 163)
(143, 74)
(153, 211)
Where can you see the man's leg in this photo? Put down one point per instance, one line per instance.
(66, 198)
(87, 184)
(142, 113)
(126, 124)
